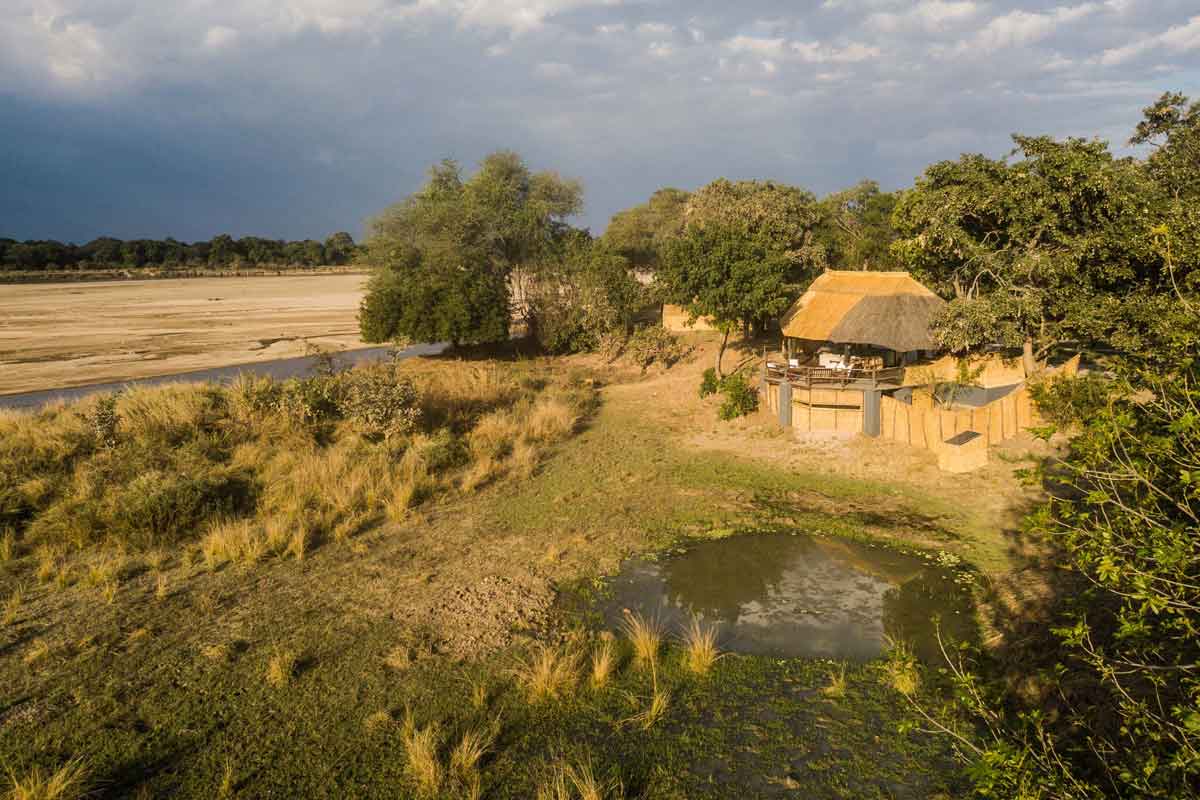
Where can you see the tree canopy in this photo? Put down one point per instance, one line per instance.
(445, 255)
(1036, 251)
(642, 232)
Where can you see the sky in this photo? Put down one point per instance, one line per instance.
(298, 118)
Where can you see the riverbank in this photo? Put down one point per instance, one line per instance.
(376, 626)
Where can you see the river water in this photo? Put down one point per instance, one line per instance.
(279, 369)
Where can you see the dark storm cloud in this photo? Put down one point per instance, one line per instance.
(299, 117)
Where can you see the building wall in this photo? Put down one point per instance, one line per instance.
(674, 318)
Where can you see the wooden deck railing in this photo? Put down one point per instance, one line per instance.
(824, 376)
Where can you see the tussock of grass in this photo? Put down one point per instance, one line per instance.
(377, 721)
(467, 755)
(645, 635)
(38, 650)
(549, 421)
(281, 667)
(700, 647)
(548, 672)
(660, 701)
(579, 780)
(68, 782)
(162, 587)
(421, 746)
(12, 606)
(902, 671)
(8, 545)
(604, 663)
(837, 684)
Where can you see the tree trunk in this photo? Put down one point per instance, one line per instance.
(721, 352)
(1027, 359)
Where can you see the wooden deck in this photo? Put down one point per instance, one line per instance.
(852, 378)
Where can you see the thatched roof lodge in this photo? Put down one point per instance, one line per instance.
(880, 311)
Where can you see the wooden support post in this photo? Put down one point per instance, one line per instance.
(785, 403)
(871, 416)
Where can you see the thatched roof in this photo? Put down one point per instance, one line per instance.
(885, 309)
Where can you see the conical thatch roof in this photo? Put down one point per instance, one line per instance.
(885, 309)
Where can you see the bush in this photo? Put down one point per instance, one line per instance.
(710, 384)
(654, 343)
(740, 398)
(1069, 401)
(379, 401)
(161, 508)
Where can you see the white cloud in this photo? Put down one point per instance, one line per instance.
(931, 16)
(655, 29)
(219, 36)
(1020, 28)
(754, 44)
(1179, 39)
(661, 49)
(555, 70)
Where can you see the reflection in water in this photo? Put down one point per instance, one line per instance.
(797, 596)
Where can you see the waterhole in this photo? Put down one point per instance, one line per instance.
(798, 596)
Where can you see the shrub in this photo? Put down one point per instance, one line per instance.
(103, 420)
(444, 451)
(654, 343)
(710, 384)
(740, 398)
(1068, 401)
(380, 401)
(164, 508)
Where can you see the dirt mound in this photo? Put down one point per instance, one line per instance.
(488, 614)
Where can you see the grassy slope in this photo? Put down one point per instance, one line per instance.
(130, 686)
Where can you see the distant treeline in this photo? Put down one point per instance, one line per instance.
(220, 252)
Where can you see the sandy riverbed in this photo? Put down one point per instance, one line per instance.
(71, 334)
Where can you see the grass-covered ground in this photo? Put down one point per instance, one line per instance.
(178, 674)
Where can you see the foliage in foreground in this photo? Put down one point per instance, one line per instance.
(264, 467)
(741, 399)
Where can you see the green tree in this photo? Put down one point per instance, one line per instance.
(339, 248)
(446, 254)
(728, 275)
(856, 228)
(581, 295)
(1038, 252)
(640, 233)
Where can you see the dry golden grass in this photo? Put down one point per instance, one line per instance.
(377, 721)
(837, 684)
(217, 652)
(281, 667)
(421, 746)
(660, 701)
(548, 671)
(645, 635)
(901, 671)
(549, 421)
(68, 782)
(162, 588)
(228, 782)
(700, 649)
(38, 650)
(480, 473)
(12, 606)
(467, 755)
(49, 562)
(8, 546)
(523, 461)
(493, 436)
(579, 780)
(156, 414)
(604, 662)
(233, 541)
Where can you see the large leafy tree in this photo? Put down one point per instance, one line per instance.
(1037, 251)
(445, 256)
(746, 250)
(727, 275)
(641, 233)
(856, 230)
